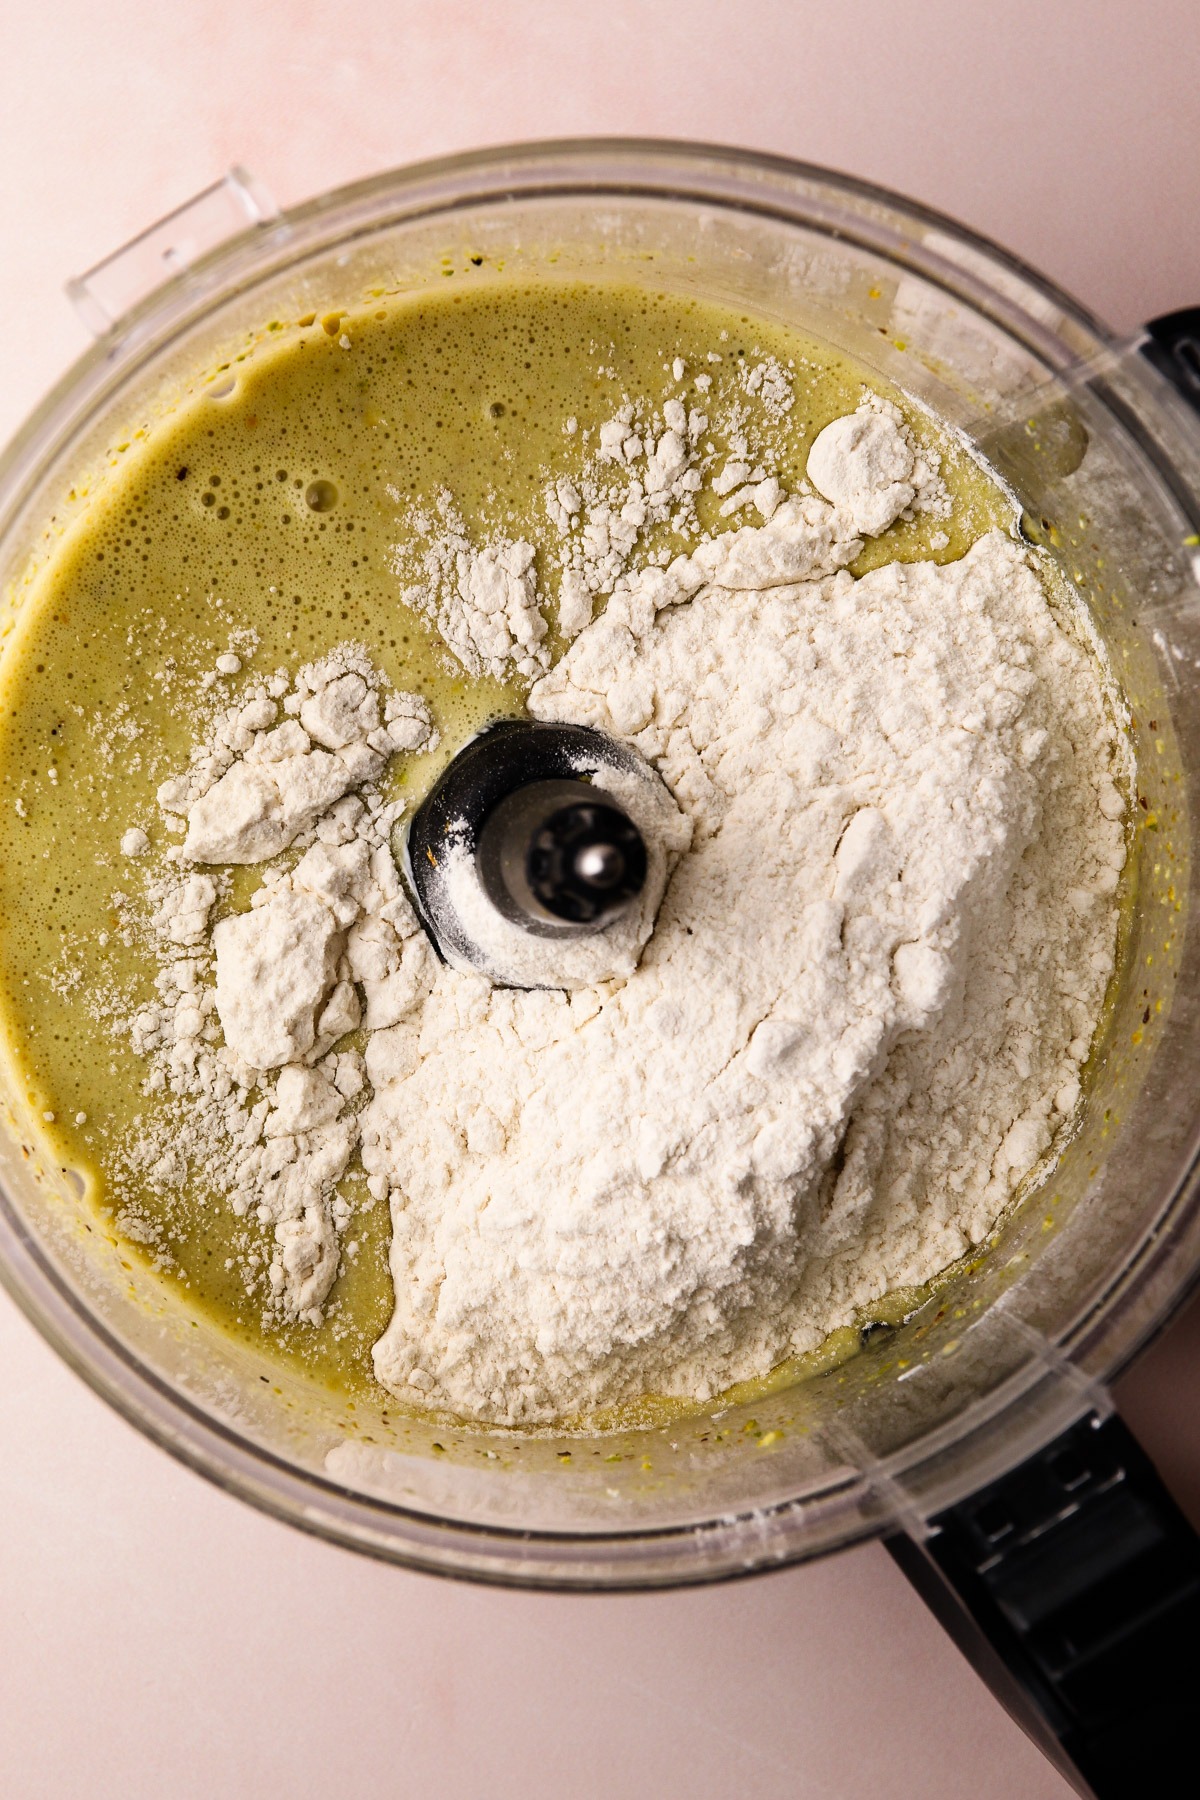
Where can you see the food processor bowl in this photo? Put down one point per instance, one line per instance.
(1018, 1344)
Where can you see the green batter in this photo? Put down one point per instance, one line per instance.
(272, 521)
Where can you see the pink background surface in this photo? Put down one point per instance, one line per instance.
(157, 1638)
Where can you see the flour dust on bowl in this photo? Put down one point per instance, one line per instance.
(782, 556)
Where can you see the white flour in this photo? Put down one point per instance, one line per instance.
(642, 470)
(328, 946)
(893, 783)
(857, 1025)
(483, 601)
(870, 467)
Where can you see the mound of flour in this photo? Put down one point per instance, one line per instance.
(857, 1025)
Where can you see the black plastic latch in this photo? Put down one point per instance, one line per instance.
(1172, 345)
(1079, 1572)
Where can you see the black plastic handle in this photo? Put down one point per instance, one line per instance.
(1073, 1585)
(1173, 346)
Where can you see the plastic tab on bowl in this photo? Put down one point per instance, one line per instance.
(230, 206)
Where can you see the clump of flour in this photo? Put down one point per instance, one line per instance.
(326, 946)
(482, 598)
(856, 1026)
(644, 471)
(871, 467)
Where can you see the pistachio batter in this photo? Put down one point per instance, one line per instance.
(267, 526)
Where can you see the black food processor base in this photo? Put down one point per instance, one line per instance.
(1072, 1584)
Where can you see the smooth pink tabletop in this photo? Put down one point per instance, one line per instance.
(159, 1639)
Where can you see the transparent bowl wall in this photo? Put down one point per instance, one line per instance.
(1088, 1265)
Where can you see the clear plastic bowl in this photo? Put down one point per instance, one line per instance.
(1087, 1267)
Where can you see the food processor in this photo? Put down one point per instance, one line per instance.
(976, 1433)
